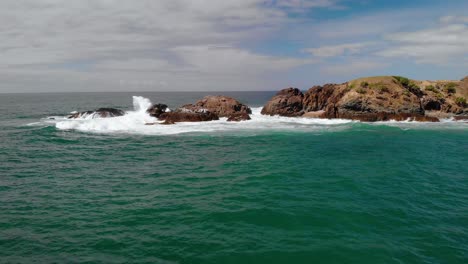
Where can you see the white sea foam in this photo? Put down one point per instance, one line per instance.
(136, 122)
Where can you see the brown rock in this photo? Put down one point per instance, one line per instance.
(367, 99)
(287, 102)
(314, 114)
(238, 117)
(222, 106)
(319, 97)
(185, 115)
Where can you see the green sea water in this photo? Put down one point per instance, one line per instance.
(339, 193)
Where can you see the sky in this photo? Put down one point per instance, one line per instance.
(225, 45)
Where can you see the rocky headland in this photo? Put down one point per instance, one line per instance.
(375, 99)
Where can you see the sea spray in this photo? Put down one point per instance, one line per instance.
(141, 104)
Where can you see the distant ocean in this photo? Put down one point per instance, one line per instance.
(268, 190)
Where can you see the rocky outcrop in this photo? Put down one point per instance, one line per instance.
(223, 106)
(157, 109)
(287, 102)
(378, 99)
(99, 113)
(207, 109)
(187, 115)
(237, 117)
(374, 99)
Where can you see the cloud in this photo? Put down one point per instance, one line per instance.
(228, 60)
(353, 67)
(297, 4)
(337, 50)
(453, 19)
(103, 38)
(442, 44)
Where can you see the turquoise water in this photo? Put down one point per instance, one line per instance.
(310, 193)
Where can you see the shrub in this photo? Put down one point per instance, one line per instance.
(414, 89)
(364, 84)
(432, 89)
(380, 87)
(361, 91)
(451, 88)
(402, 80)
(461, 101)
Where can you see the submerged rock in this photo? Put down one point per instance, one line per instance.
(461, 118)
(287, 102)
(237, 117)
(99, 113)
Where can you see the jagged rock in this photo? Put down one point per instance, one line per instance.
(319, 97)
(236, 117)
(187, 115)
(287, 102)
(157, 109)
(374, 99)
(99, 113)
(222, 106)
(367, 99)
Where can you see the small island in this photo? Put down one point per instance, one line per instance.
(369, 99)
(373, 99)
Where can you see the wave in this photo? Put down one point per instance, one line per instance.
(137, 120)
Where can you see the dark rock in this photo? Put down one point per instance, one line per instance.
(287, 102)
(461, 118)
(156, 110)
(386, 116)
(238, 117)
(431, 104)
(99, 113)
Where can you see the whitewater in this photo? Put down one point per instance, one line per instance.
(138, 121)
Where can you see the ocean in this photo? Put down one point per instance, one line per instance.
(268, 190)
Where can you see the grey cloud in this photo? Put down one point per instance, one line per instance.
(157, 39)
(439, 45)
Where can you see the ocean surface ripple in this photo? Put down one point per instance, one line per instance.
(269, 191)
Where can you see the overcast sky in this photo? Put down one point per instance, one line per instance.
(216, 45)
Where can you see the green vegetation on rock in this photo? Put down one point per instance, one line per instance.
(432, 89)
(451, 88)
(461, 101)
(361, 91)
(402, 80)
